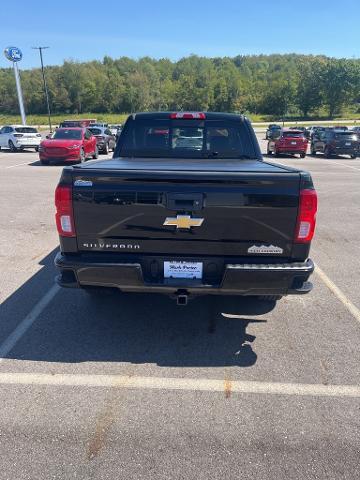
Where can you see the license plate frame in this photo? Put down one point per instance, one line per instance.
(180, 269)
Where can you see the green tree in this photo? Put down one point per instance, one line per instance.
(268, 84)
(308, 92)
(338, 81)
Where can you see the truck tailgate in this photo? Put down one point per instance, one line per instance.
(247, 208)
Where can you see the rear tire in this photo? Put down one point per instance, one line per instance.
(302, 155)
(327, 153)
(353, 156)
(312, 150)
(96, 154)
(106, 149)
(12, 146)
(36, 149)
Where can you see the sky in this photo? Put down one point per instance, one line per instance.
(89, 30)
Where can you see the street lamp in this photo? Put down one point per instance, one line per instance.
(44, 82)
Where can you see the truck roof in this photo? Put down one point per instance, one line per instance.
(209, 115)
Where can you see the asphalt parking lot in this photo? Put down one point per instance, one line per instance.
(134, 387)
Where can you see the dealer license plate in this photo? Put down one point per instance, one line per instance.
(175, 269)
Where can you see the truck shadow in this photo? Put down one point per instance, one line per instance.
(134, 328)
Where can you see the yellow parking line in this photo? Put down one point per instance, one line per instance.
(355, 312)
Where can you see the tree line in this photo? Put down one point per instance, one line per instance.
(279, 85)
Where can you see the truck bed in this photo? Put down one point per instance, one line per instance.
(232, 166)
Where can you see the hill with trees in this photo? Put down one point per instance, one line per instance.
(277, 85)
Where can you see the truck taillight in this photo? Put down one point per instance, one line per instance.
(64, 211)
(306, 220)
(188, 115)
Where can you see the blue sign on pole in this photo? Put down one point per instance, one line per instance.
(14, 54)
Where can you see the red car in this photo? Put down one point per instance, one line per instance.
(290, 142)
(69, 145)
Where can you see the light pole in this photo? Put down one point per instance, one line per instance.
(44, 82)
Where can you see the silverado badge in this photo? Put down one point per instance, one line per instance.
(183, 221)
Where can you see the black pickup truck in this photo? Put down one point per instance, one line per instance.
(186, 206)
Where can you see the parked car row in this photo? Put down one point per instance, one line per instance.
(70, 142)
(336, 140)
(78, 143)
(91, 122)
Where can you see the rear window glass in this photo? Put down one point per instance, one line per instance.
(350, 135)
(70, 124)
(95, 131)
(186, 138)
(292, 134)
(63, 134)
(25, 130)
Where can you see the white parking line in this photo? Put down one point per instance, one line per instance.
(332, 162)
(26, 323)
(355, 312)
(182, 384)
(19, 164)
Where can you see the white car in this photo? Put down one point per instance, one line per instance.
(115, 129)
(18, 137)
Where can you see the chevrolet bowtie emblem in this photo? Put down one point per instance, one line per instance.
(183, 221)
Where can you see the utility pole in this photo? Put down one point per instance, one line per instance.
(44, 82)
